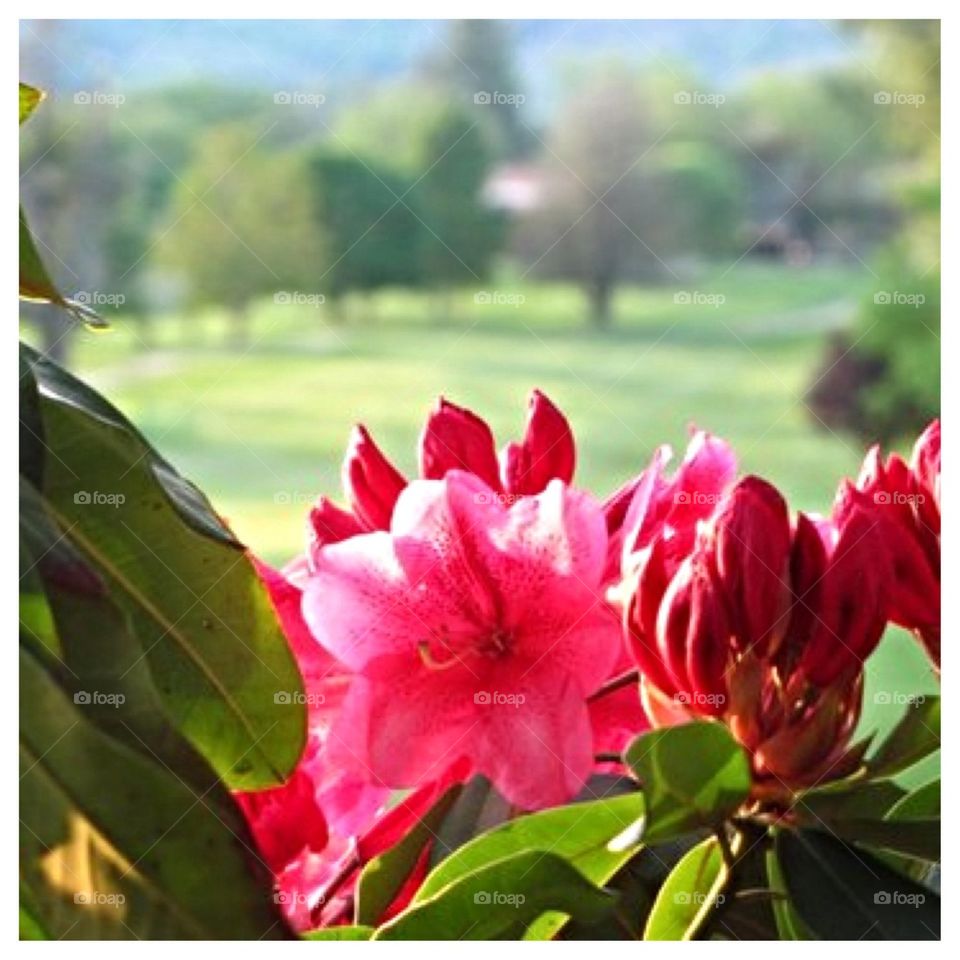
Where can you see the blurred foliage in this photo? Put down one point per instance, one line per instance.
(882, 381)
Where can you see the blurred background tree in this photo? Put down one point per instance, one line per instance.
(882, 378)
(239, 237)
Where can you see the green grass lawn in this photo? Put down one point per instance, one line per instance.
(262, 427)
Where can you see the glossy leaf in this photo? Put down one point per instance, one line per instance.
(922, 803)
(499, 899)
(383, 877)
(842, 893)
(682, 795)
(789, 924)
(916, 736)
(202, 619)
(580, 833)
(689, 893)
(110, 836)
(864, 799)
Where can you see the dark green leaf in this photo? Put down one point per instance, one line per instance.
(115, 845)
(913, 838)
(843, 893)
(383, 877)
(866, 799)
(920, 804)
(690, 892)
(200, 616)
(683, 794)
(498, 900)
(789, 924)
(916, 736)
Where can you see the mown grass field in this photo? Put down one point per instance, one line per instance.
(261, 426)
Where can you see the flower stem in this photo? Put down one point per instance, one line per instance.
(614, 684)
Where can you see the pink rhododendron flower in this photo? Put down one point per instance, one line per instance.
(453, 438)
(474, 628)
(733, 611)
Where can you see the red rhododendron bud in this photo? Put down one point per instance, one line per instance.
(758, 622)
(708, 640)
(329, 523)
(546, 452)
(852, 612)
(371, 482)
(752, 534)
(673, 626)
(925, 464)
(457, 439)
(808, 564)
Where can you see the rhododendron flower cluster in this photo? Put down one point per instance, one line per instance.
(489, 617)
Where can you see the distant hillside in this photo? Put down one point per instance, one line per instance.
(353, 55)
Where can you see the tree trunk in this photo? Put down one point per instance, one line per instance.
(601, 295)
(240, 325)
(55, 328)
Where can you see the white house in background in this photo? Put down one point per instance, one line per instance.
(516, 188)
